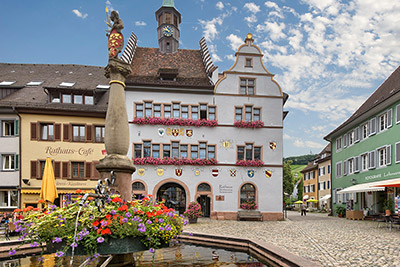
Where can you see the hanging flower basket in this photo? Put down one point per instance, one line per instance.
(175, 121)
(174, 161)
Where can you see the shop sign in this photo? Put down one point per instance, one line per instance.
(70, 183)
(54, 151)
(388, 174)
(220, 198)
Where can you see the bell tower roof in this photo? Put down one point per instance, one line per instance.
(168, 3)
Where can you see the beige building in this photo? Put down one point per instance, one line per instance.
(324, 178)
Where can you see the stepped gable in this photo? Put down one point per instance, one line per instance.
(187, 65)
(388, 88)
(86, 78)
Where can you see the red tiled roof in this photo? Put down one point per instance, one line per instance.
(189, 65)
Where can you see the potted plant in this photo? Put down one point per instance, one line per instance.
(115, 228)
(388, 206)
(193, 212)
(248, 205)
(340, 211)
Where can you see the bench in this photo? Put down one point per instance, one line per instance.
(251, 215)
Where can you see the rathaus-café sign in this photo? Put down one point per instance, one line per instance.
(54, 151)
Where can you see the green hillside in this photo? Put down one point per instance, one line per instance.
(296, 170)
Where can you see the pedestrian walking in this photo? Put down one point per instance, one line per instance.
(303, 209)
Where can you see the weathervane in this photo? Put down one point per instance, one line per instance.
(115, 37)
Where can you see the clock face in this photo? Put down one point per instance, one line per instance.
(167, 31)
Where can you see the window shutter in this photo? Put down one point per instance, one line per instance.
(357, 134)
(389, 155)
(88, 167)
(89, 134)
(346, 140)
(16, 162)
(65, 169)
(34, 169)
(66, 132)
(357, 164)
(57, 132)
(16, 127)
(372, 126)
(389, 116)
(397, 149)
(398, 114)
(334, 196)
(345, 164)
(34, 135)
(371, 159)
(57, 169)
(96, 173)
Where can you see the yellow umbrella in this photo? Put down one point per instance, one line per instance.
(48, 191)
(312, 200)
(298, 202)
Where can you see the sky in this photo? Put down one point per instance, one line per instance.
(328, 55)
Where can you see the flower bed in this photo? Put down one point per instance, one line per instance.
(193, 211)
(175, 121)
(250, 163)
(249, 124)
(174, 161)
(153, 224)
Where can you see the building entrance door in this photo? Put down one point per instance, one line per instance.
(205, 202)
(174, 196)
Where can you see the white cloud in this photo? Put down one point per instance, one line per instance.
(230, 57)
(253, 8)
(235, 41)
(140, 23)
(251, 19)
(307, 144)
(220, 5)
(275, 29)
(109, 5)
(79, 14)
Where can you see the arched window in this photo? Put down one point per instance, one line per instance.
(138, 186)
(247, 192)
(204, 187)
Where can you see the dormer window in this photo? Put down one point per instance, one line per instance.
(249, 62)
(65, 97)
(168, 74)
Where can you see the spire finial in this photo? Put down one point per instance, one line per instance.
(168, 3)
(249, 39)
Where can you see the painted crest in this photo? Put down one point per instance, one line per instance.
(227, 144)
(161, 132)
(160, 172)
(175, 132)
(268, 173)
(250, 173)
(189, 132)
(232, 172)
(178, 172)
(197, 172)
(215, 172)
(272, 145)
(140, 172)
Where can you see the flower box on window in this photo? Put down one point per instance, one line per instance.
(250, 163)
(175, 121)
(173, 161)
(249, 124)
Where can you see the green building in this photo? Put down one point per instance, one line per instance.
(366, 153)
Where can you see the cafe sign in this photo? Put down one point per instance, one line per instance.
(54, 151)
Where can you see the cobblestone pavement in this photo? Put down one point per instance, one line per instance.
(328, 240)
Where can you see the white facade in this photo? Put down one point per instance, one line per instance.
(225, 178)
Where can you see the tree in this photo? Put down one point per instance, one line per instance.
(300, 190)
(287, 180)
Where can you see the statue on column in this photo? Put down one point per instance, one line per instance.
(115, 37)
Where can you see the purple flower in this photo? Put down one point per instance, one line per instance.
(113, 212)
(104, 223)
(128, 215)
(149, 222)
(161, 228)
(190, 234)
(41, 259)
(74, 245)
(161, 220)
(59, 254)
(11, 252)
(151, 250)
(124, 220)
(34, 244)
(168, 227)
(100, 239)
(56, 240)
(142, 229)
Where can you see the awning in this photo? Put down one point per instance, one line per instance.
(306, 197)
(390, 183)
(30, 191)
(325, 198)
(366, 187)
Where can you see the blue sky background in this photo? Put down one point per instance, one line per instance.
(328, 55)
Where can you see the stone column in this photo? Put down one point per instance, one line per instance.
(117, 131)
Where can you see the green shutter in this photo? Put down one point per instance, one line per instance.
(16, 127)
(16, 162)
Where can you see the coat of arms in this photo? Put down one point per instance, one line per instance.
(140, 172)
(215, 172)
(232, 172)
(189, 132)
(250, 173)
(272, 145)
(178, 172)
(160, 172)
(268, 173)
(196, 172)
(175, 132)
(161, 132)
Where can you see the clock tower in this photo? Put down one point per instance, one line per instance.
(168, 19)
